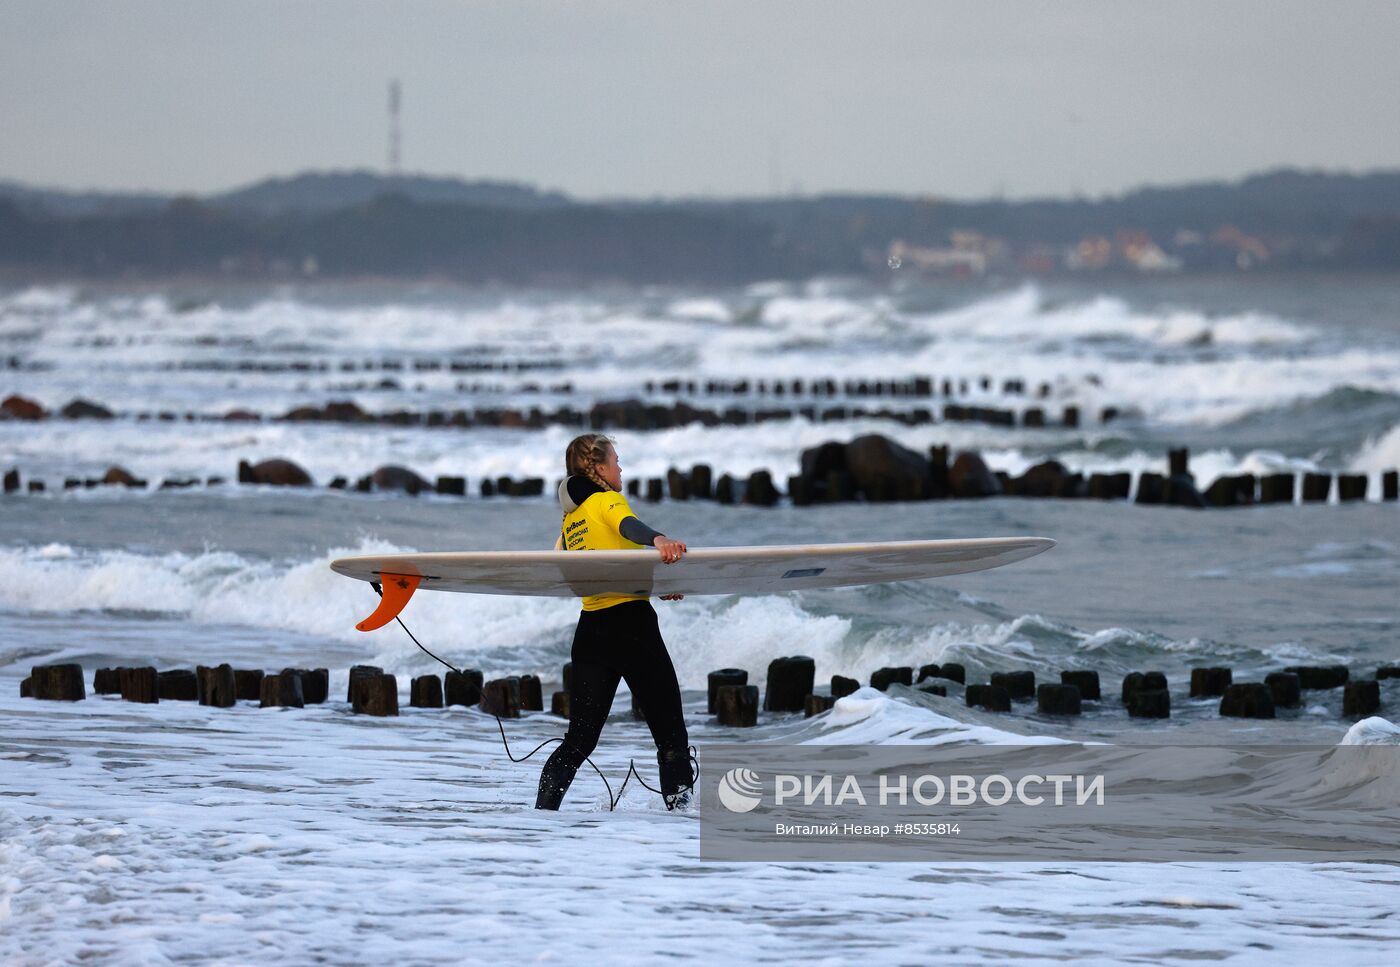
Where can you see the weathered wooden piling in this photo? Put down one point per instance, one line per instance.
(1247, 700)
(790, 681)
(719, 678)
(1276, 488)
(938, 472)
(1209, 682)
(180, 685)
(140, 685)
(217, 685)
(425, 691)
(463, 687)
(372, 694)
(1316, 487)
(315, 683)
(1390, 485)
(724, 489)
(1152, 489)
(842, 686)
(498, 697)
(1087, 681)
(951, 670)
(107, 681)
(26, 687)
(1361, 698)
(1351, 487)
(1018, 685)
(1388, 671)
(1150, 703)
(759, 490)
(677, 485)
(1060, 699)
(993, 698)
(1110, 486)
(559, 704)
(1135, 682)
(283, 690)
(1320, 677)
(452, 486)
(817, 704)
(357, 672)
(61, 682)
(247, 684)
(885, 677)
(531, 694)
(1285, 689)
(737, 705)
(1232, 490)
(701, 482)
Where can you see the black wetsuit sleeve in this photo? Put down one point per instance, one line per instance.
(637, 532)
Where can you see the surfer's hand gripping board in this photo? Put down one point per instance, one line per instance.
(706, 570)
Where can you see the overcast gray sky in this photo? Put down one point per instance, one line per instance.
(638, 99)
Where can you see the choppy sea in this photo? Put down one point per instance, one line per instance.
(177, 833)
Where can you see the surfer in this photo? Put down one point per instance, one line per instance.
(617, 635)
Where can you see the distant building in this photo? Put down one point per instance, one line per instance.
(1142, 253)
(953, 260)
(1090, 255)
(1248, 251)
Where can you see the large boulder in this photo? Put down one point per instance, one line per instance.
(818, 461)
(630, 414)
(345, 411)
(275, 473)
(969, 477)
(122, 477)
(884, 470)
(85, 410)
(17, 407)
(1047, 479)
(399, 478)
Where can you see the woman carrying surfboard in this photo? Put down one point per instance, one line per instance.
(617, 636)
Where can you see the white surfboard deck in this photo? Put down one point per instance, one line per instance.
(703, 570)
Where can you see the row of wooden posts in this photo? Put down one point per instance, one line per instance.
(915, 387)
(871, 468)
(790, 687)
(791, 681)
(627, 414)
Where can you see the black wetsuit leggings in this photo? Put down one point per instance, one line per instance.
(620, 642)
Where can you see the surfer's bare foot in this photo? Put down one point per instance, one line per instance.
(672, 597)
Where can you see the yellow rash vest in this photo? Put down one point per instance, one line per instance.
(594, 521)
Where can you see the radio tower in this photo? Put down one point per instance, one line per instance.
(395, 100)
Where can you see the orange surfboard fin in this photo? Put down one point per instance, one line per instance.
(398, 588)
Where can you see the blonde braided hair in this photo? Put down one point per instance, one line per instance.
(585, 453)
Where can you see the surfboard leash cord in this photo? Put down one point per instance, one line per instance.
(631, 763)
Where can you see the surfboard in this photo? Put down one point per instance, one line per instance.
(703, 570)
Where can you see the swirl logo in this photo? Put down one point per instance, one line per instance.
(740, 790)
